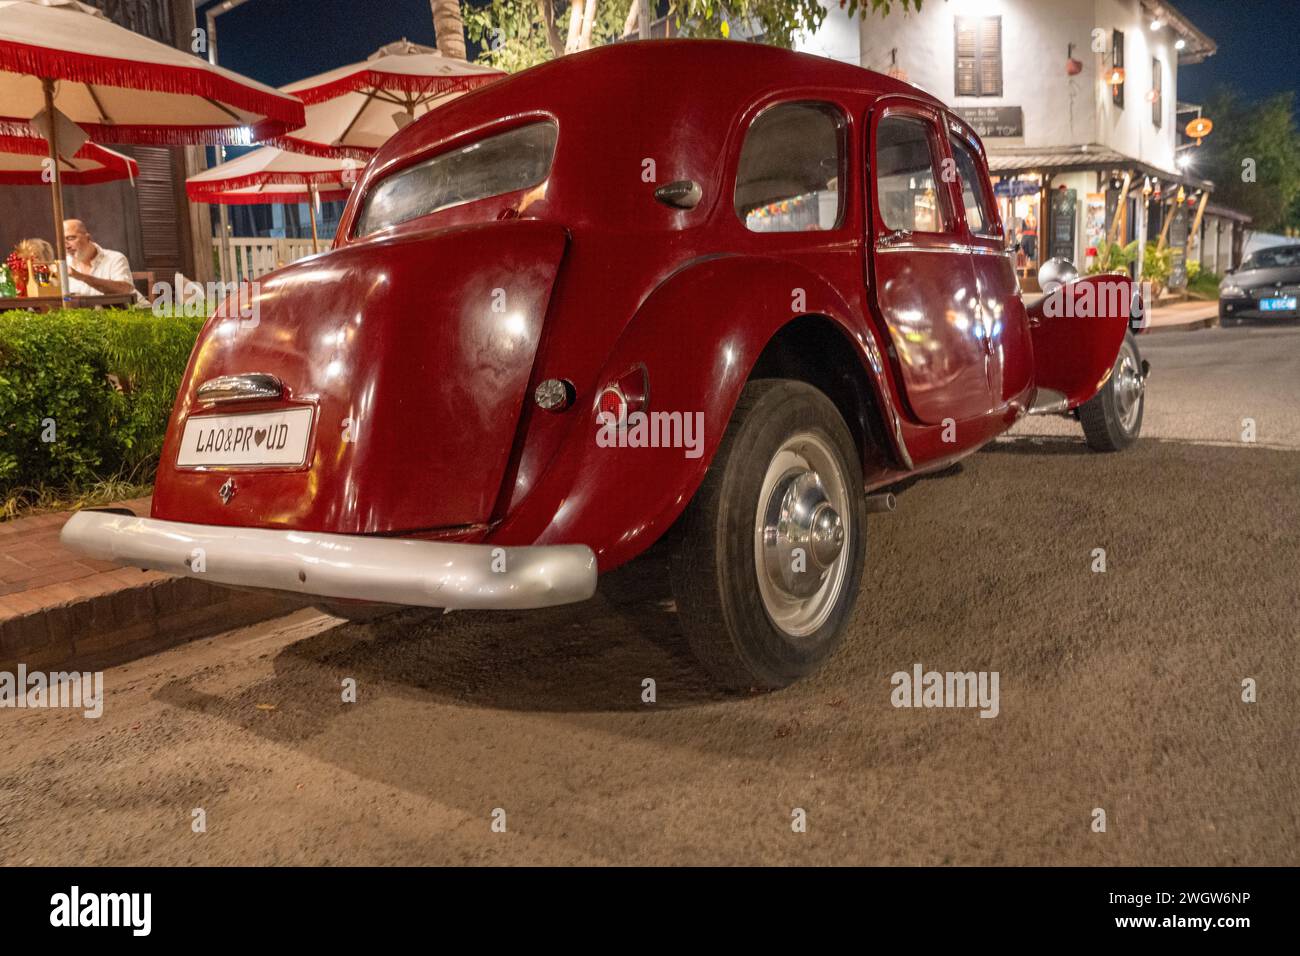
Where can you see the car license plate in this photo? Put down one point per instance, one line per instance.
(1279, 304)
(263, 438)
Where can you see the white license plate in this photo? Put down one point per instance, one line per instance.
(1278, 304)
(263, 438)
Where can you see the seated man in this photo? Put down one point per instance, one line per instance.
(93, 270)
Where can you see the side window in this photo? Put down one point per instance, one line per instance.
(978, 216)
(905, 179)
(791, 166)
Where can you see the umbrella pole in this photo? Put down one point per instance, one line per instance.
(311, 211)
(61, 266)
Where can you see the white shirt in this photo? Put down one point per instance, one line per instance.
(107, 264)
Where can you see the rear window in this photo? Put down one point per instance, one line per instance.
(495, 165)
(1281, 258)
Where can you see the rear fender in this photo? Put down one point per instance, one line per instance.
(1077, 331)
(698, 345)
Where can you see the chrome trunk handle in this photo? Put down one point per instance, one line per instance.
(241, 388)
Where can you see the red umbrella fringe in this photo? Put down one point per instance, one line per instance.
(29, 144)
(323, 150)
(253, 199)
(111, 134)
(330, 176)
(378, 79)
(70, 177)
(281, 111)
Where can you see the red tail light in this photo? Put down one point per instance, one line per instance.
(630, 393)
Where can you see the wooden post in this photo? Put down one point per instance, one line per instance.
(1196, 224)
(61, 266)
(311, 211)
(1164, 228)
(1121, 209)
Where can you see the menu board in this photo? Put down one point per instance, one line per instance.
(1065, 221)
(1178, 248)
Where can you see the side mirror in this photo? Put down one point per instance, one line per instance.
(1055, 273)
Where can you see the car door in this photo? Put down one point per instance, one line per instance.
(999, 307)
(923, 283)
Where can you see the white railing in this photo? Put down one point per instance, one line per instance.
(256, 257)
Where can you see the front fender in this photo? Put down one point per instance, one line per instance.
(698, 334)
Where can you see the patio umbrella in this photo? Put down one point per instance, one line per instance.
(270, 175)
(119, 86)
(23, 161)
(353, 110)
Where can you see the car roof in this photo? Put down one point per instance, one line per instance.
(651, 79)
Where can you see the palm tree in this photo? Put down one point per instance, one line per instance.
(449, 28)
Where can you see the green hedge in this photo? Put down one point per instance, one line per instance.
(100, 383)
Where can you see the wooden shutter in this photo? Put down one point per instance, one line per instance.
(977, 48)
(160, 226)
(1157, 104)
(991, 56)
(967, 51)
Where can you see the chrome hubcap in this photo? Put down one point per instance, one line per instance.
(800, 536)
(1129, 388)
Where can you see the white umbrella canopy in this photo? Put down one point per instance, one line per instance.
(23, 162)
(270, 175)
(353, 110)
(122, 87)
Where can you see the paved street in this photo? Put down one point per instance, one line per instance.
(1119, 690)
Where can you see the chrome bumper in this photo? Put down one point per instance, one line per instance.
(386, 570)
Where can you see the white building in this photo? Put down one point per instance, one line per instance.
(1076, 101)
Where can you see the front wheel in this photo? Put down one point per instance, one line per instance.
(767, 566)
(1112, 419)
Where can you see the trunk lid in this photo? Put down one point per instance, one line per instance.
(413, 354)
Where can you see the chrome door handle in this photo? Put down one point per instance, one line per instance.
(895, 238)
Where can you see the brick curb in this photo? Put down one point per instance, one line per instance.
(107, 629)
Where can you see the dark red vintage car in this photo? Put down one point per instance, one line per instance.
(710, 284)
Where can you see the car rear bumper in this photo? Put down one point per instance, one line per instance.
(352, 567)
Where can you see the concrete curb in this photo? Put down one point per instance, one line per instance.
(1211, 322)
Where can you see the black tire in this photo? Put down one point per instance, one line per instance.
(714, 570)
(1104, 424)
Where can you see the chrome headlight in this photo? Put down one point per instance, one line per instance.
(1231, 290)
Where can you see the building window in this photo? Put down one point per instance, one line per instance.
(978, 49)
(1157, 94)
(905, 181)
(790, 169)
(1117, 59)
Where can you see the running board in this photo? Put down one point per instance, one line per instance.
(1048, 401)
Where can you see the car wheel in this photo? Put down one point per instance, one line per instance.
(1112, 419)
(770, 554)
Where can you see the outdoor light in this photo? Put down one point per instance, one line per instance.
(1180, 43)
(1184, 161)
(1115, 77)
(1199, 128)
(1157, 24)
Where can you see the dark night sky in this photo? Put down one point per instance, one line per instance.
(1259, 47)
(270, 40)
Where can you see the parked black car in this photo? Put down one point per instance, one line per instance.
(1265, 286)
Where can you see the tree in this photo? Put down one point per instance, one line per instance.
(520, 33)
(1253, 158)
(449, 28)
